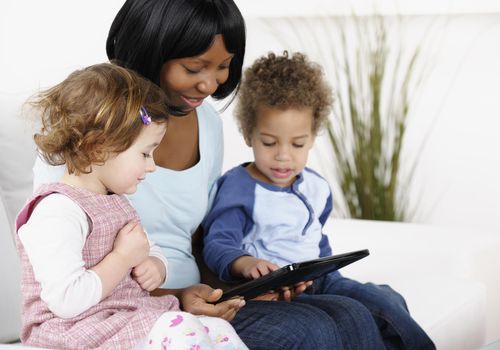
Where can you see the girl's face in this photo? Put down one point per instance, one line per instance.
(122, 172)
(188, 81)
(281, 141)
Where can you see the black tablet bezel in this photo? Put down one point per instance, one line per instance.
(293, 273)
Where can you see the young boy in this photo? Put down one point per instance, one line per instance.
(270, 212)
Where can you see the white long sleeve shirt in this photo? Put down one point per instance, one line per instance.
(53, 239)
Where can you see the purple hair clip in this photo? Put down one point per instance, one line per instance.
(145, 117)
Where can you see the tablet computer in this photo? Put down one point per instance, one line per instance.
(293, 273)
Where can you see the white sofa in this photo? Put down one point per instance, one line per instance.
(450, 277)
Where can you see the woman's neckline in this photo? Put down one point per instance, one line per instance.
(180, 149)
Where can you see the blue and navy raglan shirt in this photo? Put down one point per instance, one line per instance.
(278, 224)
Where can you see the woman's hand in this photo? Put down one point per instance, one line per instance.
(200, 299)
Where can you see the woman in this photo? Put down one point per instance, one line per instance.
(194, 49)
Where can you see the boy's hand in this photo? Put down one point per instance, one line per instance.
(150, 274)
(285, 293)
(251, 268)
(288, 293)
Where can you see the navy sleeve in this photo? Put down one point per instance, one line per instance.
(226, 225)
(327, 210)
(222, 241)
(324, 245)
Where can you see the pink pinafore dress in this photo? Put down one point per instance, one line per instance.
(118, 322)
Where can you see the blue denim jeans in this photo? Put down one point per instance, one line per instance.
(387, 307)
(323, 322)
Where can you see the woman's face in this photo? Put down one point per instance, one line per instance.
(187, 81)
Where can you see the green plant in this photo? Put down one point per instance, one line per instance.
(373, 114)
(375, 78)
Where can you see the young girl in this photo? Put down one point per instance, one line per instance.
(87, 262)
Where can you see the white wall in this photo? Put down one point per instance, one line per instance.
(42, 41)
(456, 183)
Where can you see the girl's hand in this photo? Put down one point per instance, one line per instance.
(251, 268)
(150, 274)
(131, 247)
(132, 244)
(199, 299)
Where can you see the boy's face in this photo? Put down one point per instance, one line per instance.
(281, 141)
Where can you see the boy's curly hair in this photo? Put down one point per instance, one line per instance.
(94, 112)
(283, 82)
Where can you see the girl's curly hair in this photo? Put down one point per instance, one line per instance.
(283, 82)
(94, 112)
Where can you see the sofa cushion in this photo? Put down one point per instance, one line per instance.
(431, 267)
(451, 309)
(10, 293)
(18, 153)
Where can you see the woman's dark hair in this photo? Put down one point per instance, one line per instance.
(147, 33)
